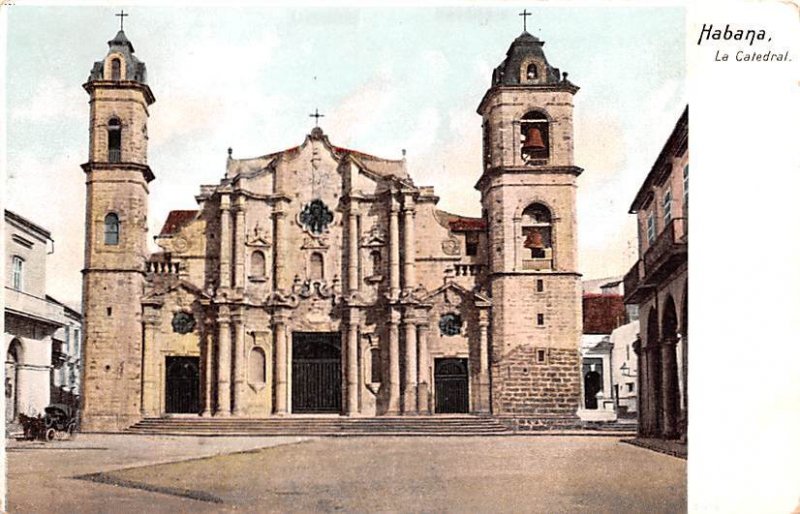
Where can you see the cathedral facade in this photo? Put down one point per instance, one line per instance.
(323, 280)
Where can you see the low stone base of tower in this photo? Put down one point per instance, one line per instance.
(537, 383)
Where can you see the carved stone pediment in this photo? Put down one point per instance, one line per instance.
(376, 237)
(258, 238)
(315, 243)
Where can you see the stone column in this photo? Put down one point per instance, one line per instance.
(394, 363)
(224, 363)
(150, 387)
(394, 250)
(410, 387)
(669, 388)
(409, 244)
(208, 366)
(649, 394)
(640, 370)
(281, 363)
(238, 364)
(225, 241)
(352, 363)
(423, 370)
(238, 278)
(352, 260)
(483, 363)
(279, 255)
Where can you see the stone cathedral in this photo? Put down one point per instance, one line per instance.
(323, 280)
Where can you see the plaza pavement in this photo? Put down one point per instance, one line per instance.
(360, 474)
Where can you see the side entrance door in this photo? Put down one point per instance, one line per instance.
(452, 386)
(183, 385)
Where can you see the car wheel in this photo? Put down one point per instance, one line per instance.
(50, 434)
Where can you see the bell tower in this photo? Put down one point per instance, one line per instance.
(117, 177)
(528, 191)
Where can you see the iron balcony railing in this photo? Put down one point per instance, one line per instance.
(674, 235)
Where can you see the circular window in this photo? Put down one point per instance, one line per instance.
(183, 322)
(450, 324)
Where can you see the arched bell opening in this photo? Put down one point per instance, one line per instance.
(534, 136)
(537, 237)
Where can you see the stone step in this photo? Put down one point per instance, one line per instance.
(320, 426)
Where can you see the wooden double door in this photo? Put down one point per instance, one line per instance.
(451, 377)
(183, 385)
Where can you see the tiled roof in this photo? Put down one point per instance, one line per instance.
(176, 220)
(602, 313)
(458, 223)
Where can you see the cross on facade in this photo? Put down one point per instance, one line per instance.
(121, 15)
(317, 116)
(525, 15)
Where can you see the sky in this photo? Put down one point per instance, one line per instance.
(386, 79)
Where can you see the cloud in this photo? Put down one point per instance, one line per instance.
(59, 209)
(51, 100)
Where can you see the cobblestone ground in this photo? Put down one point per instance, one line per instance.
(375, 474)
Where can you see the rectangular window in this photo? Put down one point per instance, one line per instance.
(540, 319)
(472, 243)
(630, 387)
(541, 356)
(651, 228)
(685, 188)
(667, 205)
(16, 273)
(539, 285)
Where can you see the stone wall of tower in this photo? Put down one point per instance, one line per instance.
(130, 107)
(113, 281)
(536, 318)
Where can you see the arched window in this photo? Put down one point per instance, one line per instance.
(531, 73)
(115, 69)
(534, 137)
(377, 262)
(375, 365)
(316, 266)
(258, 267)
(114, 140)
(111, 224)
(537, 237)
(258, 366)
(17, 263)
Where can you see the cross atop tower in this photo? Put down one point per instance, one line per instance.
(525, 15)
(121, 15)
(316, 117)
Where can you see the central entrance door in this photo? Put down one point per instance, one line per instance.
(316, 372)
(183, 385)
(452, 388)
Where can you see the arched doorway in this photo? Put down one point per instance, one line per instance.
(183, 385)
(451, 378)
(592, 384)
(316, 372)
(13, 357)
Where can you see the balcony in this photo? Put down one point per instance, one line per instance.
(29, 306)
(667, 252)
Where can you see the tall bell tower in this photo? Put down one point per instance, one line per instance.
(528, 191)
(117, 177)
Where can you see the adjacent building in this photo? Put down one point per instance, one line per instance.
(32, 321)
(321, 279)
(658, 285)
(66, 358)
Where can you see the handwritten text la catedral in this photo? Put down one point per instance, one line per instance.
(751, 36)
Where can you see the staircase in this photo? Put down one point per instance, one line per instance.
(322, 426)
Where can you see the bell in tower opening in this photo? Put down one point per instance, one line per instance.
(534, 137)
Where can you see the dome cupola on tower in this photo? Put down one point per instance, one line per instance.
(119, 63)
(525, 64)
